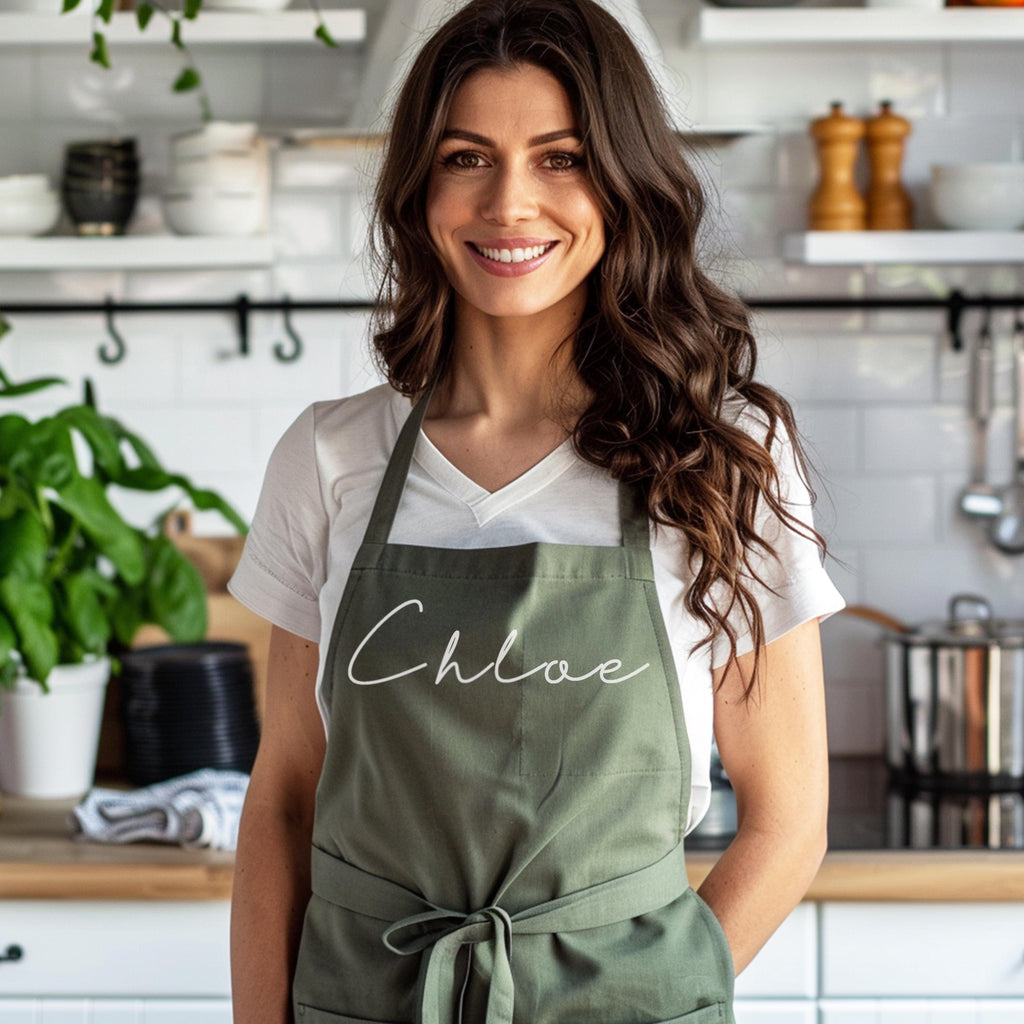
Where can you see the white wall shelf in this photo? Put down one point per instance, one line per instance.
(135, 252)
(924, 247)
(220, 27)
(858, 24)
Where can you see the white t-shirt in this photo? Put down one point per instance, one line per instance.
(322, 481)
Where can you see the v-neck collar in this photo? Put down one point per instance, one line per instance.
(485, 504)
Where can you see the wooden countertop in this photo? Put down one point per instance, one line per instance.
(39, 860)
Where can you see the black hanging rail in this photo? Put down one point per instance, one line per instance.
(954, 305)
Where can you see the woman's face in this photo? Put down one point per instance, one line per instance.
(509, 204)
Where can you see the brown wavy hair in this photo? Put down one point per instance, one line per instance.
(661, 347)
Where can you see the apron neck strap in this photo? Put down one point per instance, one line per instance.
(632, 507)
(379, 527)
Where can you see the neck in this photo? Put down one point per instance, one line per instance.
(514, 369)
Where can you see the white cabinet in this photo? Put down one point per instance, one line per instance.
(115, 962)
(115, 1011)
(925, 950)
(921, 1011)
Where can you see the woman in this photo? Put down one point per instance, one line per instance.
(570, 531)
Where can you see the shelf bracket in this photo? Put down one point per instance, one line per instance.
(954, 316)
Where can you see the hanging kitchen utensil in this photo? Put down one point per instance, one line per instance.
(980, 498)
(1007, 529)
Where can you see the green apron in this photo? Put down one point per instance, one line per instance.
(499, 822)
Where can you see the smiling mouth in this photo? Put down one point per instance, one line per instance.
(530, 252)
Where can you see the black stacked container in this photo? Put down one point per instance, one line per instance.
(186, 707)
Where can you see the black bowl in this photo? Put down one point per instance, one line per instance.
(90, 166)
(84, 183)
(99, 212)
(120, 148)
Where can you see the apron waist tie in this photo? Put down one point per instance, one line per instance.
(439, 933)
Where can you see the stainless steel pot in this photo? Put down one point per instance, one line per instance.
(955, 699)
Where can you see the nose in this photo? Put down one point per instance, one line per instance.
(510, 195)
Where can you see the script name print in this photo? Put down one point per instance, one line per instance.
(554, 671)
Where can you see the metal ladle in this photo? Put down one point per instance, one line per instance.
(979, 498)
(1007, 529)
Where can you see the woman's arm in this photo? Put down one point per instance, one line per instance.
(271, 884)
(775, 752)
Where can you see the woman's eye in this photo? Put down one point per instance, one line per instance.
(463, 160)
(563, 161)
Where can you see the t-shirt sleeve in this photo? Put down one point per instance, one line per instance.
(794, 586)
(283, 563)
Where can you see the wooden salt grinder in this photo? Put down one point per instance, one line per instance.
(836, 205)
(889, 206)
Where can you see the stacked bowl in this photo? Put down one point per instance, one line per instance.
(979, 197)
(28, 205)
(101, 185)
(219, 182)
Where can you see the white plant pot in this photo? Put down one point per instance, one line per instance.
(49, 741)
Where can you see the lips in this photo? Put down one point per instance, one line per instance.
(511, 257)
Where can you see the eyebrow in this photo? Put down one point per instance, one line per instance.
(537, 140)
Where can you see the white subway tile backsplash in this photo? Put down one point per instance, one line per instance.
(831, 435)
(851, 367)
(884, 511)
(985, 78)
(915, 581)
(908, 438)
(17, 87)
(306, 225)
(318, 89)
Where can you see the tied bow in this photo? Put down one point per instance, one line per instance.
(488, 931)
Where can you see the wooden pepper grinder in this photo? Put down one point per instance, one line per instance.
(836, 205)
(889, 206)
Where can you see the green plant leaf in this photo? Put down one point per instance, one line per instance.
(28, 386)
(102, 441)
(4, 323)
(188, 79)
(30, 608)
(176, 592)
(8, 645)
(24, 546)
(176, 33)
(84, 609)
(99, 53)
(13, 430)
(86, 500)
(69, 5)
(323, 33)
(143, 14)
(126, 615)
(105, 10)
(192, 8)
(150, 479)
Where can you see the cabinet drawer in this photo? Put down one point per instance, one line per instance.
(788, 963)
(932, 949)
(115, 948)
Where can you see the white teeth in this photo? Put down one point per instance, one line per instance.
(514, 255)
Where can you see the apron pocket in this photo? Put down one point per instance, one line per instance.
(718, 938)
(311, 1015)
(716, 1013)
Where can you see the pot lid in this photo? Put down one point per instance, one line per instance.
(970, 623)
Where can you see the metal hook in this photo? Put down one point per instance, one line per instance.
(242, 317)
(109, 355)
(954, 314)
(290, 353)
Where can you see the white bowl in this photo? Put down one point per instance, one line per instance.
(29, 215)
(17, 186)
(229, 171)
(207, 211)
(980, 197)
(214, 137)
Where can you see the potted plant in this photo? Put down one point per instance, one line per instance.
(76, 579)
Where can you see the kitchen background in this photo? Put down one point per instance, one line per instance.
(881, 396)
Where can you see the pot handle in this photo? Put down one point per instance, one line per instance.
(981, 606)
(880, 618)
